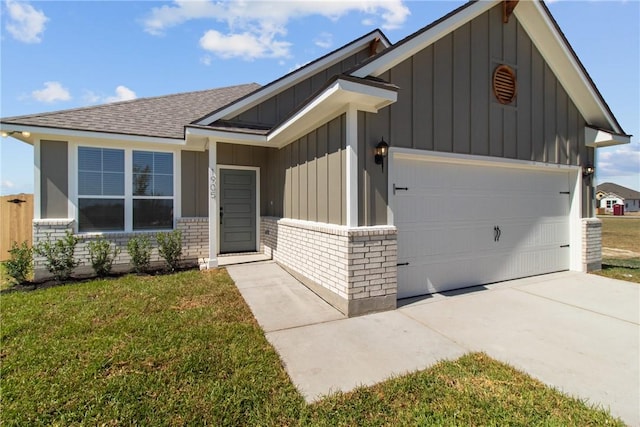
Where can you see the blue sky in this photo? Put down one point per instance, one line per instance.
(65, 54)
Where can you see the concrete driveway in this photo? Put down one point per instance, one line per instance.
(579, 333)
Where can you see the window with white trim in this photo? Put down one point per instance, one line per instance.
(104, 204)
(101, 201)
(152, 190)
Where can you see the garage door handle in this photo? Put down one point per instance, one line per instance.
(496, 233)
(399, 189)
(400, 264)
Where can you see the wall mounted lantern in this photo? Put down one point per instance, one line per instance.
(588, 170)
(382, 149)
(23, 133)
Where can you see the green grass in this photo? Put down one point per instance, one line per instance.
(185, 349)
(621, 233)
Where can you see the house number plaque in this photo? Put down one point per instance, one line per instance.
(212, 184)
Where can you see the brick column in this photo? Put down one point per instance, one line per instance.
(591, 244)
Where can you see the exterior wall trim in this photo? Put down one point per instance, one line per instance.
(37, 193)
(352, 166)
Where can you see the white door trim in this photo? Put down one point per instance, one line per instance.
(574, 185)
(256, 169)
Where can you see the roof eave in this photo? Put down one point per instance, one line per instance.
(328, 104)
(598, 138)
(535, 17)
(425, 37)
(44, 132)
(283, 83)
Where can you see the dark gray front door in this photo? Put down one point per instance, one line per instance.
(237, 210)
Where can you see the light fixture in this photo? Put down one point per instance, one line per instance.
(588, 170)
(382, 149)
(24, 133)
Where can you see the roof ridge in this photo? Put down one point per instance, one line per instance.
(130, 101)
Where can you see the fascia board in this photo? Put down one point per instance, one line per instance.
(48, 132)
(333, 100)
(409, 48)
(230, 137)
(542, 31)
(283, 84)
(600, 138)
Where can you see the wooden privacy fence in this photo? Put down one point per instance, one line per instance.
(16, 217)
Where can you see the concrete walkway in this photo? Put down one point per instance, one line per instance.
(577, 332)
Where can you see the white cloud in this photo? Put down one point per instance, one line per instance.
(298, 65)
(90, 97)
(246, 45)
(52, 92)
(25, 23)
(257, 29)
(618, 161)
(123, 93)
(206, 60)
(6, 184)
(324, 40)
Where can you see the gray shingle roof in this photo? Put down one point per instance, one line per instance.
(618, 190)
(163, 116)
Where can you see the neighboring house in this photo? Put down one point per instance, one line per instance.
(609, 194)
(489, 116)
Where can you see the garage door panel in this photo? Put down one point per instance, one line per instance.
(446, 224)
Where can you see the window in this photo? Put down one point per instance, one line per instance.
(104, 204)
(100, 189)
(152, 190)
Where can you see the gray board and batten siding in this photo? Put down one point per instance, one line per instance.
(279, 106)
(446, 104)
(54, 179)
(304, 180)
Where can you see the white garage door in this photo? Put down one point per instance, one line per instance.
(463, 224)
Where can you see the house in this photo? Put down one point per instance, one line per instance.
(609, 194)
(459, 156)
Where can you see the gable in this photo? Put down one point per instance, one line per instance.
(275, 108)
(446, 101)
(371, 43)
(536, 20)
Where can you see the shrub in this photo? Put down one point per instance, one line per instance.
(20, 263)
(170, 248)
(59, 255)
(139, 249)
(101, 256)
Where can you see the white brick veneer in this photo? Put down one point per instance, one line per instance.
(194, 243)
(591, 244)
(357, 265)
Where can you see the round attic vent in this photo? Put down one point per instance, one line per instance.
(504, 84)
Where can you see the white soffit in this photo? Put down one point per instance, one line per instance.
(542, 31)
(601, 138)
(295, 77)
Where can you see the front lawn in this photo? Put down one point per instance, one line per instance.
(185, 349)
(621, 234)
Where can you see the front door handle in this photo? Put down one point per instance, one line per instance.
(221, 213)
